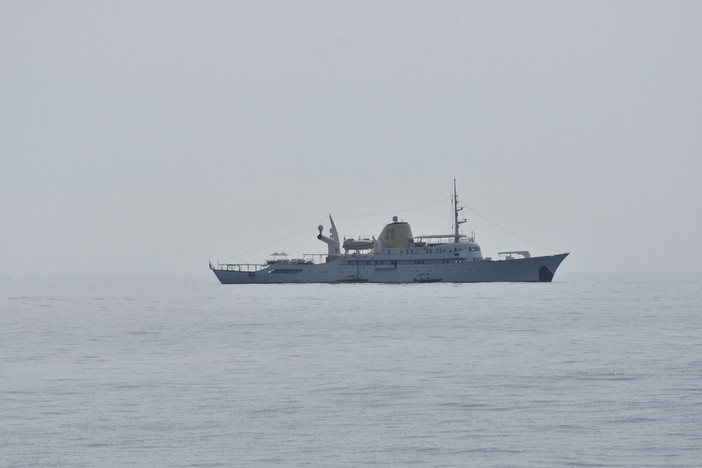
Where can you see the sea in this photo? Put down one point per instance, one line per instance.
(591, 370)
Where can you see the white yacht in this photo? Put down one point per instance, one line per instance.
(396, 256)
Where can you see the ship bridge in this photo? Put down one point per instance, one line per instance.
(440, 239)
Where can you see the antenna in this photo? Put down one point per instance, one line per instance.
(457, 222)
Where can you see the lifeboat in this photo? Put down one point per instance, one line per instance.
(359, 244)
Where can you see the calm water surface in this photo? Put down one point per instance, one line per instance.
(184, 372)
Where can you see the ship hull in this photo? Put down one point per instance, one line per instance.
(534, 269)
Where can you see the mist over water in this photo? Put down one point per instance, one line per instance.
(590, 370)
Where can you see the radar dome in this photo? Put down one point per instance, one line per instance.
(394, 219)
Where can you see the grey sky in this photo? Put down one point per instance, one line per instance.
(144, 138)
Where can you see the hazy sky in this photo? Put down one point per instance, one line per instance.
(146, 137)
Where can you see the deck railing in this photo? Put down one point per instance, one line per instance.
(253, 267)
(248, 267)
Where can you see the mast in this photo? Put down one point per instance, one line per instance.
(456, 222)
